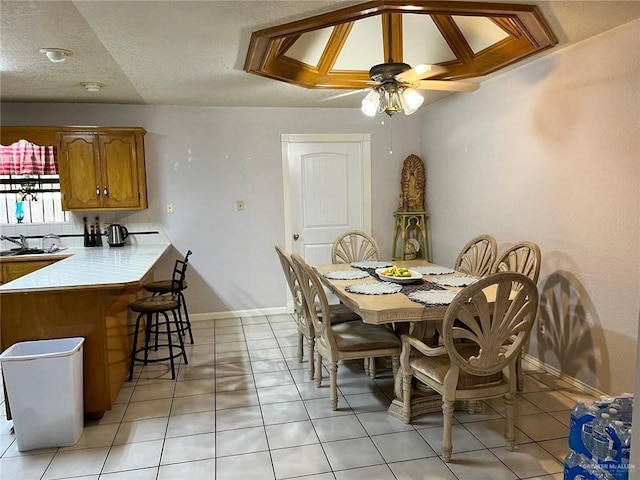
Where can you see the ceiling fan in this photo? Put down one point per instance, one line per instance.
(395, 86)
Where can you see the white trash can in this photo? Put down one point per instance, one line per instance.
(43, 379)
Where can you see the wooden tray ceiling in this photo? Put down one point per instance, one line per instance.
(335, 50)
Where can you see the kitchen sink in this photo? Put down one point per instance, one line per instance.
(20, 251)
(29, 251)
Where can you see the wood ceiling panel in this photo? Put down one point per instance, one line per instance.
(526, 33)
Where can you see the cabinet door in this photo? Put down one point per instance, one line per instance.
(119, 170)
(79, 165)
(12, 270)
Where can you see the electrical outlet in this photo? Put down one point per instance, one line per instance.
(240, 204)
(169, 207)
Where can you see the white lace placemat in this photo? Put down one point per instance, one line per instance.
(434, 270)
(370, 264)
(378, 288)
(346, 274)
(433, 297)
(455, 281)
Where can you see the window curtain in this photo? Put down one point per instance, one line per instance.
(26, 158)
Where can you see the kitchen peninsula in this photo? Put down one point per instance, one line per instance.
(85, 294)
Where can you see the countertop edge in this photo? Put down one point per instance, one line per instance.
(81, 268)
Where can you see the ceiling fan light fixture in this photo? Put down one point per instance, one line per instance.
(56, 55)
(390, 101)
(370, 103)
(411, 101)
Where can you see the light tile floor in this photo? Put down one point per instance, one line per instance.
(243, 408)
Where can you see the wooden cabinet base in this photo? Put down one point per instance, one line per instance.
(100, 315)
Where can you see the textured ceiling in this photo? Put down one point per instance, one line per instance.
(193, 52)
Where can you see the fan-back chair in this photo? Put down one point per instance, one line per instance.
(522, 257)
(477, 256)
(342, 341)
(354, 246)
(339, 313)
(483, 366)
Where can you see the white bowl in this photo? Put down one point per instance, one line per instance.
(415, 276)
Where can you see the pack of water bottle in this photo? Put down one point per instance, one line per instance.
(600, 439)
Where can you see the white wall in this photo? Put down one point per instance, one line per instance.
(204, 159)
(550, 152)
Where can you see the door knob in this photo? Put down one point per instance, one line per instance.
(296, 237)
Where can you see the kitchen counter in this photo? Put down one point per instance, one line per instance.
(95, 267)
(85, 294)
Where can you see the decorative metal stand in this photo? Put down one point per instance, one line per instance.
(410, 225)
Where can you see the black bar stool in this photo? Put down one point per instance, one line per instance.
(151, 308)
(175, 287)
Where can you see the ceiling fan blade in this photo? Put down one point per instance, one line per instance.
(345, 94)
(420, 72)
(448, 85)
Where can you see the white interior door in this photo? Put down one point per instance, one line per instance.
(327, 180)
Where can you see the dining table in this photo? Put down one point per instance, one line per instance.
(386, 308)
(371, 297)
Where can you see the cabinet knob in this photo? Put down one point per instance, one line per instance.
(106, 192)
(98, 190)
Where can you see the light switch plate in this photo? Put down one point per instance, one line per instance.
(240, 204)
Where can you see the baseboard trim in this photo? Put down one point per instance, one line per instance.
(257, 312)
(563, 376)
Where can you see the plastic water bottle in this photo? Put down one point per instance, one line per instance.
(580, 415)
(621, 439)
(614, 412)
(587, 430)
(602, 443)
(577, 466)
(603, 402)
(625, 400)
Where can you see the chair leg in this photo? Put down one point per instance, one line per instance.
(311, 344)
(372, 367)
(300, 347)
(135, 346)
(509, 434)
(519, 373)
(406, 397)
(157, 327)
(333, 385)
(182, 304)
(447, 443)
(170, 344)
(318, 375)
(180, 338)
(366, 366)
(147, 336)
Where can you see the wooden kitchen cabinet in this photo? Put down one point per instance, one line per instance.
(10, 269)
(102, 169)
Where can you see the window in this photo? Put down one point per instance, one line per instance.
(29, 184)
(31, 199)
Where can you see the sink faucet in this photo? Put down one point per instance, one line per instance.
(22, 243)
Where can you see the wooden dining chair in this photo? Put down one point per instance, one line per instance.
(354, 246)
(339, 313)
(342, 341)
(526, 258)
(477, 256)
(521, 257)
(483, 366)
